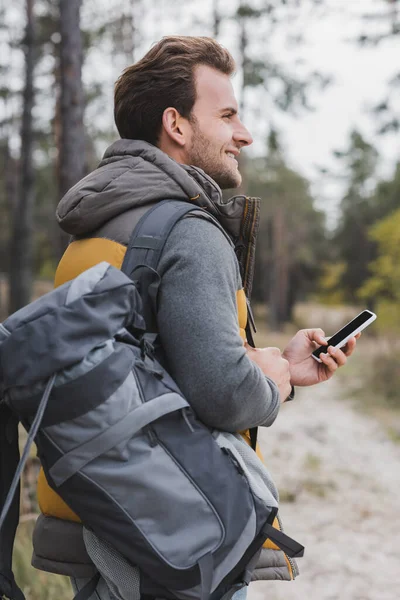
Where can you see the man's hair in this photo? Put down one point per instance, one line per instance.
(164, 77)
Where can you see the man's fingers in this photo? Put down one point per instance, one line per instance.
(338, 355)
(329, 362)
(351, 344)
(318, 336)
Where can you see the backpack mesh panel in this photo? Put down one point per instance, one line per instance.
(122, 578)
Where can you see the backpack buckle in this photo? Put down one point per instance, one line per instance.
(146, 346)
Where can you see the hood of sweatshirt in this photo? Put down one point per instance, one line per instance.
(133, 174)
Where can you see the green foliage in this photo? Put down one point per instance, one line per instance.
(253, 73)
(385, 280)
(366, 240)
(354, 247)
(47, 269)
(329, 289)
(383, 286)
(386, 196)
(359, 161)
(245, 11)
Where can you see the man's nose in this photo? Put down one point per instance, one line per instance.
(242, 135)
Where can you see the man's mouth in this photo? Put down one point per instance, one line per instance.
(231, 155)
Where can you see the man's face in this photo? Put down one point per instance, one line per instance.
(216, 132)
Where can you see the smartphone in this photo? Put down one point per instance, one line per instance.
(341, 337)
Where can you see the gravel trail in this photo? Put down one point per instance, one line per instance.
(339, 479)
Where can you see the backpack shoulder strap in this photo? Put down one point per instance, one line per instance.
(145, 248)
(143, 254)
(151, 233)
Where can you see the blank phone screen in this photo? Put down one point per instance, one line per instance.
(345, 331)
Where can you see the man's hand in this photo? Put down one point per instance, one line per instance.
(304, 369)
(273, 365)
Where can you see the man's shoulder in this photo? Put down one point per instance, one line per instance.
(203, 230)
(201, 242)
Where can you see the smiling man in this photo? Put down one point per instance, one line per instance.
(181, 135)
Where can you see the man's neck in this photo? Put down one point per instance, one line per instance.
(173, 150)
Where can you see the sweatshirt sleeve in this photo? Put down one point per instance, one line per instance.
(199, 330)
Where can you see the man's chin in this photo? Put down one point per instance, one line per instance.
(228, 183)
(228, 179)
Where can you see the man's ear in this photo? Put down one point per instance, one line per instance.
(175, 126)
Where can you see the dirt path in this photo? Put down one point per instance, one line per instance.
(340, 474)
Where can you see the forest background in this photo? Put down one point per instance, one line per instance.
(329, 242)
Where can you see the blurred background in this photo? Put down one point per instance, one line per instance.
(318, 86)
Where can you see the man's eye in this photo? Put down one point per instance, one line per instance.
(227, 116)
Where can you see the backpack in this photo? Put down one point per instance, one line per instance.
(118, 441)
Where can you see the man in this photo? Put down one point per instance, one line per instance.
(181, 135)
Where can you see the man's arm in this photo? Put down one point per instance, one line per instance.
(199, 331)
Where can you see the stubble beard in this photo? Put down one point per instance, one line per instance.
(207, 158)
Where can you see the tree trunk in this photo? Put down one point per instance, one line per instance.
(130, 34)
(279, 284)
(72, 164)
(125, 35)
(8, 199)
(21, 247)
(216, 19)
(243, 45)
(243, 59)
(394, 16)
(10, 179)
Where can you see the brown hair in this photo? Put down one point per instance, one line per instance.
(164, 77)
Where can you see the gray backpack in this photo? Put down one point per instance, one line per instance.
(118, 441)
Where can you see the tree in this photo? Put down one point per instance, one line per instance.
(381, 25)
(278, 86)
(72, 166)
(354, 247)
(382, 288)
(384, 282)
(21, 253)
(275, 86)
(9, 40)
(290, 241)
(216, 19)
(364, 204)
(386, 196)
(386, 13)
